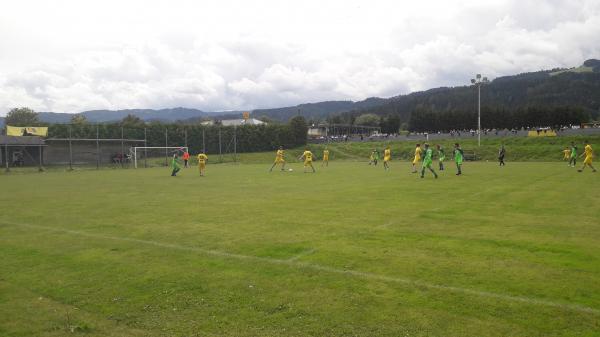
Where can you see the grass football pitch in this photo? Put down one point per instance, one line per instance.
(349, 251)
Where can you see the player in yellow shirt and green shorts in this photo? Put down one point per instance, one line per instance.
(202, 159)
(589, 154)
(279, 159)
(308, 157)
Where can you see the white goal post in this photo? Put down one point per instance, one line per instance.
(168, 149)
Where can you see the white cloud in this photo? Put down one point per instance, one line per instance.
(70, 56)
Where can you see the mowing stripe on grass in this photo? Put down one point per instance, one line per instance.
(298, 264)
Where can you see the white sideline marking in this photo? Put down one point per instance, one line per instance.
(298, 264)
(305, 253)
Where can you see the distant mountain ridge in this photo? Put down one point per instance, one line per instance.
(318, 110)
(103, 116)
(578, 86)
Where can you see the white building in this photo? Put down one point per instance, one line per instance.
(239, 122)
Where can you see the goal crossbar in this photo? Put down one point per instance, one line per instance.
(166, 148)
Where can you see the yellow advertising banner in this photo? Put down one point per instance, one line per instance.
(246, 115)
(19, 131)
(542, 133)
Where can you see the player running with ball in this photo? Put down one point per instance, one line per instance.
(279, 159)
(308, 157)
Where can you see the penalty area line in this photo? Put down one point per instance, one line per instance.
(293, 262)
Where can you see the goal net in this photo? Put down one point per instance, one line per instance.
(152, 156)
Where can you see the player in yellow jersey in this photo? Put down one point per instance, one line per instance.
(589, 154)
(387, 156)
(279, 159)
(325, 157)
(202, 159)
(308, 158)
(566, 153)
(417, 158)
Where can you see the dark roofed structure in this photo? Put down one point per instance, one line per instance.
(22, 141)
(21, 151)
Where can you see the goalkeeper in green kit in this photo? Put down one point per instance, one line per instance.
(175, 166)
(428, 161)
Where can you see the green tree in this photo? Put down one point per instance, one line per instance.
(79, 119)
(132, 121)
(367, 119)
(299, 130)
(22, 117)
(390, 124)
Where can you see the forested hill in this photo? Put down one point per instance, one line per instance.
(317, 111)
(577, 87)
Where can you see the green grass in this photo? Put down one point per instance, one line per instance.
(349, 251)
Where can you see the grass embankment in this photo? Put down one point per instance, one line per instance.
(518, 149)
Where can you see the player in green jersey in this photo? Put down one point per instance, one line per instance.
(573, 160)
(441, 156)
(458, 158)
(374, 157)
(175, 165)
(428, 161)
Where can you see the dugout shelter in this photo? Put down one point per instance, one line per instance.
(21, 151)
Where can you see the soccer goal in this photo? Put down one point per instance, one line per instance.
(149, 156)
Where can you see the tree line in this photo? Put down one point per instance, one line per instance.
(427, 120)
(247, 138)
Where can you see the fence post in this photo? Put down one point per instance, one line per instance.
(40, 155)
(145, 150)
(220, 153)
(234, 143)
(97, 147)
(122, 148)
(6, 156)
(70, 151)
(166, 145)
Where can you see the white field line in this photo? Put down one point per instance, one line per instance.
(300, 255)
(359, 274)
(384, 225)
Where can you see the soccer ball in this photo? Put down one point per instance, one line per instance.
(290, 170)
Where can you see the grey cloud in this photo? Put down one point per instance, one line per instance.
(251, 72)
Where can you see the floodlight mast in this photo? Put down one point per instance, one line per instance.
(478, 81)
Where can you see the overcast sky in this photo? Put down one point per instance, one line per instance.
(71, 56)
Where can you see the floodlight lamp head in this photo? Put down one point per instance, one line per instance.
(472, 81)
(485, 80)
(478, 76)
